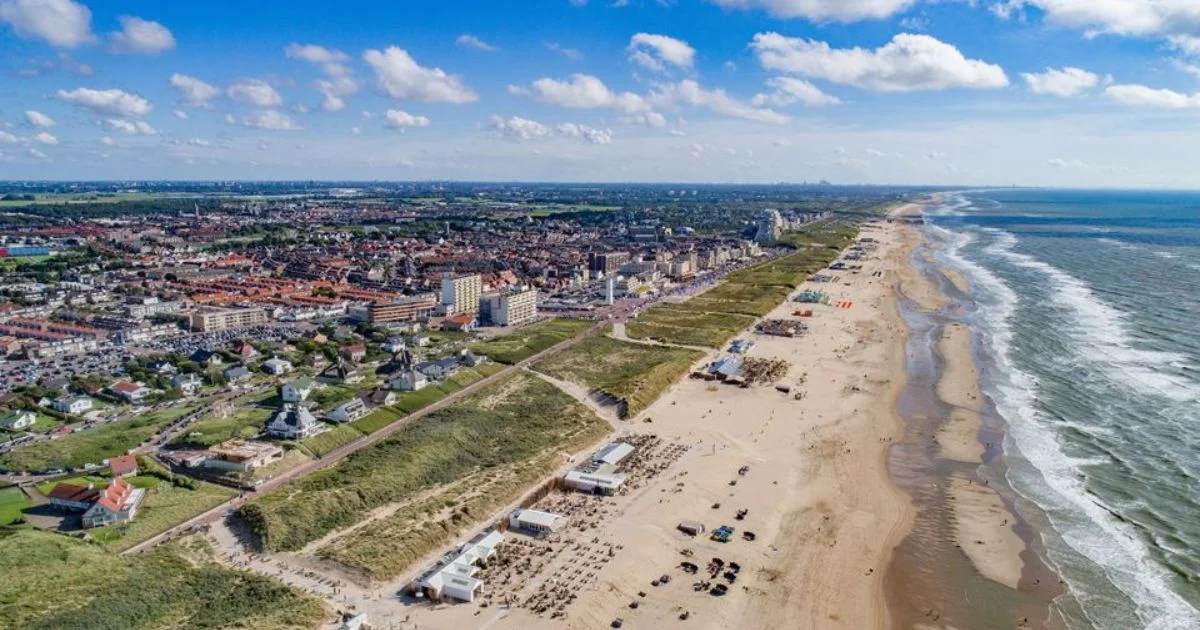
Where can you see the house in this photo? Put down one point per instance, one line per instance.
(421, 341)
(461, 323)
(297, 390)
(380, 397)
(129, 391)
(353, 352)
(206, 358)
(348, 411)
(123, 466)
(164, 368)
(408, 380)
(242, 457)
(341, 372)
(117, 504)
(432, 371)
(187, 383)
(536, 521)
(293, 422)
(244, 350)
(470, 359)
(449, 365)
(75, 405)
(277, 366)
(316, 337)
(74, 497)
(237, 374)
(17, 419)
(394, 345)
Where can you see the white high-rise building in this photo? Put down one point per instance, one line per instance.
(770, 226)
(460, 294)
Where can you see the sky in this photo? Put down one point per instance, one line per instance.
(1072, 93)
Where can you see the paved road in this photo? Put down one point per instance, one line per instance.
(341, 453)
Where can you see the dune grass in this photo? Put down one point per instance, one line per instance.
(164, 507)
(528, 341)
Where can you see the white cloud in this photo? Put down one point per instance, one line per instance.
(569, 53)
(38, 119)
(339, 84)
(584, 91)
(313, 53)
(37, 155)
(1143, 96)
(823, 10)
(1061, 163)
(520, 128)
(254, 92)
(7, 138)
(113, 101)
(789, 91)
(907, 63)
(875, 153)
(403, 78)
(141, 36)
(138, 127)
(199, 142)
(467, 40)
(584, 132)
(657, 52)
(649, 119)
(269, 119)
(690, 92)
(45, 138)
(193, 91)
(1177, 20)
(60, 23)
(1066, 82)
(107, 141)
(397, 119)
(180, 114)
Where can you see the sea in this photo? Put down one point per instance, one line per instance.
(1085, 308)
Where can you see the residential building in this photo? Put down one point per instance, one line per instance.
(123, 466)
(187, 383)
(75, 405)
(408, 309)
(293, 422)
(74, 497)
(341, 372)
(349, 411)
(117, 504)
(17, 419)
(508, 309)
(354, 352)
(465, 322)
(237, 374)
(607, 262)
(297, 390)
(770, 226)
(277, 366)
(129, 391)
(408, 381)
(242, 457)
(460, 294)
(212, 319)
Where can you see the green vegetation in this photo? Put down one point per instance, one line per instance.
(91, 446)
(513, 426)
(82, 480)
(166, 505)
(716, 316)
(325, 443)
(378, 419)
(52, 581)
(530, 340)
(634, 374)
(212, 430)
(411, 402)
(12, 505)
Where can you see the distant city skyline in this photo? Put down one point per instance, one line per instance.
(1073, 93)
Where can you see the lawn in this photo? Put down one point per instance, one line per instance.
(528, 341)
(513, 428)
(81, 480)
(91, 446)
(12, 502)
(52, 581)
(328, 397)
(324, 443)
(380, 418)
(634, 374)
(212, 430)
(165, 506)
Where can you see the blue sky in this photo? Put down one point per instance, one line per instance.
(973, 92)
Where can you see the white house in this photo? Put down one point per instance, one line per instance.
(536, 521)
(129, 391)
(408, 381)
(293, 422)
(76, 405)
(277, 366)
(17, 419)
(297, 390)
(349, 411)
(593, 482)
(394, 345)
(187, 383)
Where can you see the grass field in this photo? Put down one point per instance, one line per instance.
(630, 372)
(489, 437)
(211, 430)
(671, 324)
(336, 437)
(530, 340)
(410, 402)
(165, 506)
(51, 581)
(80, 480)
(12, 502)
(73, 450)
(379, 418)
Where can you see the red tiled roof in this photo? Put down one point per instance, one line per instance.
(115, 494)
(125, 387)
(73, 492)
(123, 465)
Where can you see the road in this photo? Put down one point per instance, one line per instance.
(363, 442)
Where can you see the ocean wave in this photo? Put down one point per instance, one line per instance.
(1085, 526)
